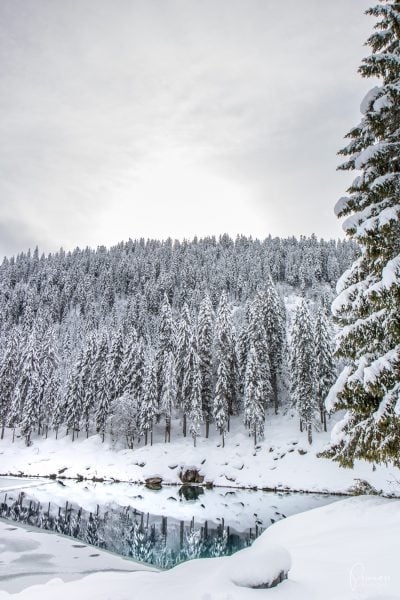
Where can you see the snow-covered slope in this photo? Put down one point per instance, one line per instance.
(283, 460)
(346, 550)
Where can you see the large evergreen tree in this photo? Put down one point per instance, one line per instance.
(168, 393)
(367, 306)
(303, 368)
(273, 312)
(226, 353)
(195, 410)
(205, 334)
(254, 406)
(183, 373)
(325, 368)
(149, 407)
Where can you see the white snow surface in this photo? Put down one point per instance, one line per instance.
(347, 550)
(258, 565)
(283, 460)
(29, 556)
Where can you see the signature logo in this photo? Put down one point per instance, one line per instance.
(363, 583)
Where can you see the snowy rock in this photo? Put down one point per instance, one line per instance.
(262, 566)
(191, 476)
(154, 482)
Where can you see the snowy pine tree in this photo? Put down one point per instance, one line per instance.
(227, 385)
(257, 341)
(114, 363)
(303, 368)
(221, 399)
(166, 340)
(184, 341)
(8, 377)
(195, 410)
(31, 412)
(149, 406)
(205, 335)
(168, 393)
(254, 407)
(74, 398)
(367, 305)
(275, 323)
(325, 368)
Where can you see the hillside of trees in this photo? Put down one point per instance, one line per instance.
(112, 341)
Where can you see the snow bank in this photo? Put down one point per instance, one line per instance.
(346, 550)
(283, 460)
(259, 567)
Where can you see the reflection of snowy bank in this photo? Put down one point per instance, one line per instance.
(241, 509)
(163, 527)
(338, 551)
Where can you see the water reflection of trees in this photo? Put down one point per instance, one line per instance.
(160, 541)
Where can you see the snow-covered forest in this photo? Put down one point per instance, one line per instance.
(112, 341)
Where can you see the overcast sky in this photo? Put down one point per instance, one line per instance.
(158, 118)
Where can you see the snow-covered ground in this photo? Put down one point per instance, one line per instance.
(29, 557)
(347, 550)
(284, 460)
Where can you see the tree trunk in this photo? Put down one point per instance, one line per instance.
(3, 429)
(275, 392)
(145, 438)
(309, 433)
(255, 439)
(207, 427)
(301, 426)
(184, 425)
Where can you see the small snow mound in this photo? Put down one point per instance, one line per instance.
(260, 566)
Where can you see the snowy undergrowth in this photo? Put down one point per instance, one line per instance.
(284, 460)
(346, 550)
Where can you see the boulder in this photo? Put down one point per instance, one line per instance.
(191, 475)
(154, 483)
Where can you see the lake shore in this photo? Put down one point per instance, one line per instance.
(283, 461)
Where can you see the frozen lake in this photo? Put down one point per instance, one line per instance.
(162, 527)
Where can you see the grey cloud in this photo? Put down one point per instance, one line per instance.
(92, 92)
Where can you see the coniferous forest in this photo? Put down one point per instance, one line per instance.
(113, 341)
